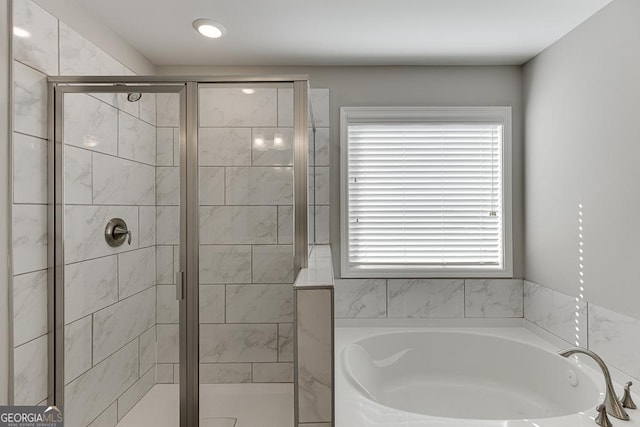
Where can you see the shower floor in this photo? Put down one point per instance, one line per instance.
(221, 405)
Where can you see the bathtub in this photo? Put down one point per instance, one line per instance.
(461, 376)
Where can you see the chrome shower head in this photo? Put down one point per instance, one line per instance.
(134, 97)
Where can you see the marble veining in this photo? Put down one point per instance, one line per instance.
(78, 176)
(225, 264)
(80, 57)
(148, 349)
(361, 298)
(285, 342)
(168, 110)
(164, 147)
(167, 305)
(90, 123)
(211, 181)
(29, 155)
(225, 373)
(259, 186)
(118, 324)
(119, 101)
(30, 372)
(109, 418)
(129, 398)
(90, 286)
(494, 298)
(29, 101)
(272, 146)
(425, 298)
(212, 305)
(285, 225)
(322, 147)
(29, 226)
(272, 372)
(164, 265)
(555, 312)
(259, 303)
(168, 337)
(224, 146)
(321, 185)
(238, 224)
(168, 186)
(136, 139)
(273, 264)
(227, 107)
(77, 348)
(238, 343)
(118, 181)
(168, 225)
(322, 225)
(147, 215)
(29, 306)
(136, 271)
(40, 49)
(148, 109)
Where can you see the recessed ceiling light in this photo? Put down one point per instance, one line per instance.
(21, 32)
(209, 28)
(248, 91)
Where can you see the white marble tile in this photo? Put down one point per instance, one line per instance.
(136, 271)
(225, 373)
(84, 230)
(273, 264)
(77, 348)
(322, 185)
(168, 110)
(148, 349)
(314, 355)
(148, 108)
(164, 147)
(168, 343)
(176, 373)
(80, 57)
(494, 298)
(164, 373)
(29, 101)
(238, 224)
(29, 226)
(118, 324)
(168, 186)
(614, 337)
(164, 265)
(212, 305)
(30, 372)
(322, 225)
(136, 139)
(78, 176)
(556, 312)
(93, 392)
(129, 398)
(319, 99)
(109, 418)
(272, 146)
(425, 298)
(285, 342)
(90, 286)
(176, 146)
(118, 181)
(224, 146)
(285, 107)
(238, 343)
(167, 311)
(225, 264)
(259, 186)
(29, 169)
(227, 107)
(90, 123)
(259, 303)
(273, 372)
(321, 150)
(211, 189)
(285, 225)
(40, 48)
(119, 100)
(168, 225)
(147, 226)
(29, 306)
(361, 298)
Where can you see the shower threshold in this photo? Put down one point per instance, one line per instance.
(221, 405)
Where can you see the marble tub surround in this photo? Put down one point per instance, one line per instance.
(314, 339)
(611, 335)
(428, 298)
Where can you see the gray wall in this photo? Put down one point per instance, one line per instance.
(407, 86)
(582, 106)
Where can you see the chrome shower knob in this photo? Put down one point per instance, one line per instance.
(626, 400)
(116, 232)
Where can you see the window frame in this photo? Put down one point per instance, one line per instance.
(391, 115)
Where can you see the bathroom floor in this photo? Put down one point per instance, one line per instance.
(221, 405)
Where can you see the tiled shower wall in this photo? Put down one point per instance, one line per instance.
(113, 354)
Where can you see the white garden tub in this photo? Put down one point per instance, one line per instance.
(506, 377)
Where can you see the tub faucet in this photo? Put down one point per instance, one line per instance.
(611, 403)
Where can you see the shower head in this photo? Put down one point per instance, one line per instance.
(134, 97)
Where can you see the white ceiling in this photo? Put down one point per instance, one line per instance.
(343, 32)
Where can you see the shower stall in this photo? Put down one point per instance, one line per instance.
(178, 222)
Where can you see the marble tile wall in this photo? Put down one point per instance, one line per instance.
(110, 171)
(428, 298)
(575, 321)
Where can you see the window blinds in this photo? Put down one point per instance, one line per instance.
(427, 194)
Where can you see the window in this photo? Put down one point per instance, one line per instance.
(425, 192)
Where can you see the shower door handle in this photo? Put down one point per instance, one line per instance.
(180, 285)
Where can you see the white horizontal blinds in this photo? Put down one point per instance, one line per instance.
(426, 194)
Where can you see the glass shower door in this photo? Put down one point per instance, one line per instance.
(118, 230)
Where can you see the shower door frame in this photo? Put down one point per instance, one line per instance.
(188, 287)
